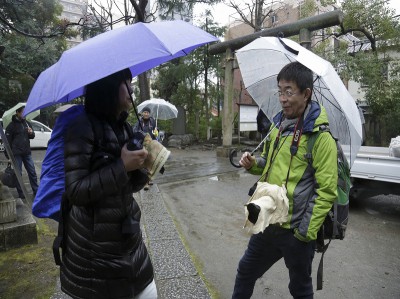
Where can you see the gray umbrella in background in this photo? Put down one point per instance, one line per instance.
(7, 116)
(63, 108)
(260, 62)
(160, 109)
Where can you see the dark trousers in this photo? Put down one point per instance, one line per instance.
(264, 250)
(30, 169)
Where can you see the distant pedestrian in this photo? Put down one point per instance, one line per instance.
(147, 124)
(18, 133)
(311, 190)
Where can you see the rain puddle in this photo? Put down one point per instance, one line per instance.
(228, 176)
(371, 212)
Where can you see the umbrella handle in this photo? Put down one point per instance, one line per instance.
(134, 107)
(158, 106)
(231, 155)
(234, 151)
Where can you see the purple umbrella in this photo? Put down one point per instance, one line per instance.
(139, 47)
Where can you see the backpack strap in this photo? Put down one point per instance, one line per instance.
(59, 239)
(320, 272)
(311, 141)
(321, 246)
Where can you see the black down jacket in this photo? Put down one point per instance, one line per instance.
(100, 260)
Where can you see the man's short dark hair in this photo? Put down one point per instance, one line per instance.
(19, 109)
(297, 73)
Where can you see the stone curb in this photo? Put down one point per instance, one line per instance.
(175, 274)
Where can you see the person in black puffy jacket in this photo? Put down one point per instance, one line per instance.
(104, 255)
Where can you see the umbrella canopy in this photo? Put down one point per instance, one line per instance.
(139, 47)
(7, 116)
(160, 108)
(260, 62)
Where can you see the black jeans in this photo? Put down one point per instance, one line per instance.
(264, 250)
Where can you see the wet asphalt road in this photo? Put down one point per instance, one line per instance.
(205, 196)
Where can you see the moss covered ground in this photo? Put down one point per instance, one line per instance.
(29, 271)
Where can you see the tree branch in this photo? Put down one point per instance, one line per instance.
(368, 35)
(64, 28)
(138, 11)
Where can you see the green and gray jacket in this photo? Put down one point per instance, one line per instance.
(311, 190)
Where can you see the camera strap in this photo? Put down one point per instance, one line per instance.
(298, 131)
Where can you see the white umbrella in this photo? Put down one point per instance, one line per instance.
(7, 116)
(261, 61)
(63, 108)
(160, 109)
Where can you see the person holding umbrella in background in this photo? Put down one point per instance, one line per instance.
(161, 110)
(18, 134)
(147, 124)
(104, 255)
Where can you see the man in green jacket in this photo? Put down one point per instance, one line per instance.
(311, 190)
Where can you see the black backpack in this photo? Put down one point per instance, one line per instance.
(335, 223)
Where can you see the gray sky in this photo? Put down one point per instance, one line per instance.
(223, 14)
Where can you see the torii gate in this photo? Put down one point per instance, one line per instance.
(303, 28)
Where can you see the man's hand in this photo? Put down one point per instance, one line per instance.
(247, 160)
(155, 132)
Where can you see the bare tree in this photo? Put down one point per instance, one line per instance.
(105, 14)
(133, 11)
(255, 12)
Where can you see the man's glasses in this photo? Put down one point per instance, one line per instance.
(287, 93)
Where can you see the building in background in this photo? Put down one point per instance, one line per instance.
(74, 11)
